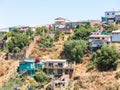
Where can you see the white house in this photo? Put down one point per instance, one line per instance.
(99, 37)
(115, 36)
(111, 17)
(58, 66)
(110, 14)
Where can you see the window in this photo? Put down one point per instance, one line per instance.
(60, 71)
(107, 13)
(50, 64)
(112, 13)
(60, 64)
(50, 71)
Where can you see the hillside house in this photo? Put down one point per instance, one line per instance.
(97, 40)
(28, 66)
(111, 17)
(63, 24)
(99, 37)
(115, 36)
(58, 67)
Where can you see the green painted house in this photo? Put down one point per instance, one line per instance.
(29, 66)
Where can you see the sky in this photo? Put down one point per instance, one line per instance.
(35, 12)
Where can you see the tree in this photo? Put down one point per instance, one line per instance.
(106, 58)
(41, 30)
(110, 27)
(45, 29)
(83, 32)
(40, 76)
(74, 50)
(46, 41)
(58, 34)
(6, 35)
(30, 33)
(15, 30)
(18, 42)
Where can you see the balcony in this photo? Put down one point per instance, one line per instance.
(68, 66)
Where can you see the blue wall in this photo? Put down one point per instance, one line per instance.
(115, 37)
(27, 65)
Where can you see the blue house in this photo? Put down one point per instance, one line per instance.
(28, 66)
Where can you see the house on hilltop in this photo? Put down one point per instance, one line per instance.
(111, 17)
(63, 24)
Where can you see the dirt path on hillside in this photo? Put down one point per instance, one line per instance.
(31, 46)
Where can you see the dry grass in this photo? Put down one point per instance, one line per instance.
(49, 53)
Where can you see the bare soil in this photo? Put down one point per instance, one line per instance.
(7, 69)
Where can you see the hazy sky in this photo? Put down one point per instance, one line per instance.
(34, 12)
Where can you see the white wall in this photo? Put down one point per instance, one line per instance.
(106, 39)
(111, 14)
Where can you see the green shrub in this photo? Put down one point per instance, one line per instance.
(40, 77)
(18, 42)
(16, 81)
(90, 66)
(83, 32)
(46, 41)
(106, 58)
(75, 49)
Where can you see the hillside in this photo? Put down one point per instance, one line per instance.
(49, 53)
(95, 80)
(92, 80)
(7, 69)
